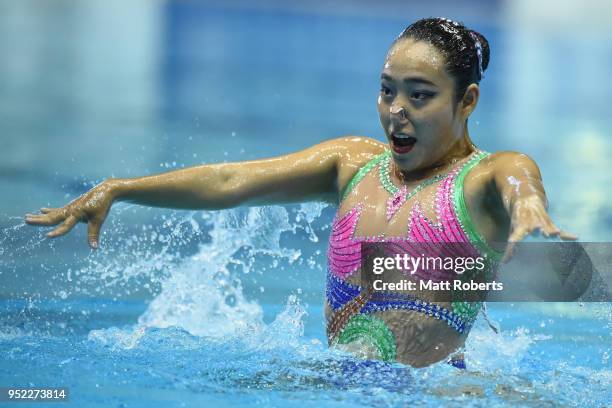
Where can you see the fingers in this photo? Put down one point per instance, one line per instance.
(509, 252)
(566, 236)
(64, 227)
(53, 216)
(518, 234)
(93, 233)
(50, 216)
(34, 219)
(549, 230)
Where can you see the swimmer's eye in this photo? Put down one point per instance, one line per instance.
(421, 95)
(385, 91)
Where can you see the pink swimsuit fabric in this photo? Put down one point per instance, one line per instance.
(423, 238)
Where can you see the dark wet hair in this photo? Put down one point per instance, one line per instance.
(458, 44)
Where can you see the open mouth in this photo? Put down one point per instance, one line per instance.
(402, 143)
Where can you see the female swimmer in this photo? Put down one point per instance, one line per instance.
(428, 184)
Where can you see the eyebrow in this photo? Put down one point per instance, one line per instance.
(409, 79)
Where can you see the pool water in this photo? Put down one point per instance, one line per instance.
(224, 308)
(202, 340)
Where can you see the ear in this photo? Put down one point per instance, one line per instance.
(470, 100)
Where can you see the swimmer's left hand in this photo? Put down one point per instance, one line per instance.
(529, 216)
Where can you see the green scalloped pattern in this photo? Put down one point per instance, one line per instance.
(467, 310)
(373, 330)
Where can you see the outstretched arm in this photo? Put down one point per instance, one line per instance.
(306, 175)
(519, 182)
(316, 173)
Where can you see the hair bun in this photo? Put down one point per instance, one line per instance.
(484, 45)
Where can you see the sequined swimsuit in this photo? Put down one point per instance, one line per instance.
(353, 304)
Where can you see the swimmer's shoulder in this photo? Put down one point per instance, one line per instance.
(506, 157)
(481, 186)
(499, 164)
(357, 150)
(354, 152)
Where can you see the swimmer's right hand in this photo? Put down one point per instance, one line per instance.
(91, 207)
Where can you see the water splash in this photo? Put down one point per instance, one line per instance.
(204, 332)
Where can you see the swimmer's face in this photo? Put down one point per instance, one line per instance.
(416, 105)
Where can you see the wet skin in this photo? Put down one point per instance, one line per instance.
(504, 193)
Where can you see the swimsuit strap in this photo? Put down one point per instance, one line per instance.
(361, 174)
(463, 217)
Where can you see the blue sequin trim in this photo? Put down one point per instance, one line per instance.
(460, 364)
(339, 292)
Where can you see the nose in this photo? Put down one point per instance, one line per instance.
(398, 113)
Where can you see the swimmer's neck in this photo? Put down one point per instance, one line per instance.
(460, 150)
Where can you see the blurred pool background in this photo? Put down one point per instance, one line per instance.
(186, 308)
